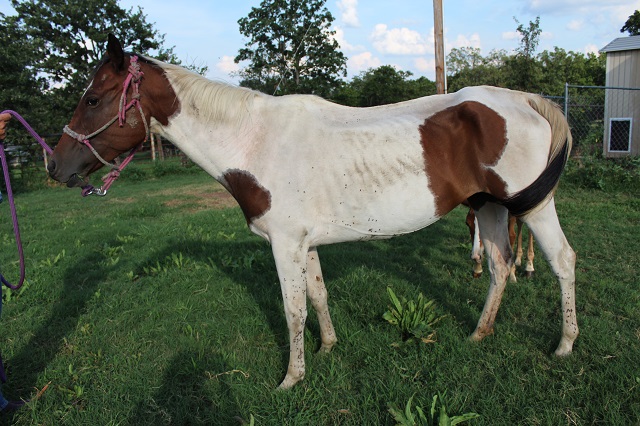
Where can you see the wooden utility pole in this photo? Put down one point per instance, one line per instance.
(438, 33)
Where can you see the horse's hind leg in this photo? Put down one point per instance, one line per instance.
(530, 255)
(513, 236)
(476, 249)
(492, 220)
(317, 293)
(512, 241)
(546, 228)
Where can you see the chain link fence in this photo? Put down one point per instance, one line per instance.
(602, 119)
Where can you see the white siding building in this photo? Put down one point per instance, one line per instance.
(622, 107)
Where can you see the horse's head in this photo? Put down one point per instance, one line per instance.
(112, 116)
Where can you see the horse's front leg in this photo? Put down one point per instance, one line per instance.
(291, 263)
(318, 295)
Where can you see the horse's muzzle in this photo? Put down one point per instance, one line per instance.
(75, 180)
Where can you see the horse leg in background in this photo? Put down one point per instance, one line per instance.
(317, 293)
(513, 221)
(291, 262)
(476, 249)
(529, 270)
(493, 220)
(512, 241)
(546, 228)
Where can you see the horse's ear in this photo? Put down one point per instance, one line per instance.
(115, 52)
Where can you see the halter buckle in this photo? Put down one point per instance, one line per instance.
(91, 190)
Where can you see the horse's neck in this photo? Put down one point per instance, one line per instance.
(215, 146)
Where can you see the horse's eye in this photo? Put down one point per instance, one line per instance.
(92, 102)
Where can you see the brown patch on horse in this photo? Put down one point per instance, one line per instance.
(165, 103)
(459, 144)
(253, 198)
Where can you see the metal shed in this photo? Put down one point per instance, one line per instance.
(622, 99)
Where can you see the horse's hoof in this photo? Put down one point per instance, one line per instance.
(565, 347)
(325, 349)
(562, 352)
(286, 384)
(477, 274)
(479, 335)
(529, 274)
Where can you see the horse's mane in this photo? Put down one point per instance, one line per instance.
(210, 100)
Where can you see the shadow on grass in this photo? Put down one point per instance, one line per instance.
(419, 259)
(80, 283)
(191, 393)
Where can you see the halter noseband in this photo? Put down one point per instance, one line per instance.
(133, 80)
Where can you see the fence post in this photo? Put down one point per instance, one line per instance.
(153, 147)
(566, 101)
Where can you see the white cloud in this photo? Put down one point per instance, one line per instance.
(510, 35)
(349, 9)
(425, 65)
(575, 25)
(464, 41)
(362, 62)
(344, 44)
(591, 48)
(227, 65)
(561, 7)
(400, 41)
(546, 35)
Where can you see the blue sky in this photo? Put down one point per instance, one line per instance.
(383, 32)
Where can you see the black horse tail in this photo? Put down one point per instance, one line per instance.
(543, 188)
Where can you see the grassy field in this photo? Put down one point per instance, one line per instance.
(156, 305)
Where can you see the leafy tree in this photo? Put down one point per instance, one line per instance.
(554, 69)
(462, 59)
(48, 50)
(71, 36)
(383, 85)
(421, 86)
(632, 26)
(20, 90)
(290, 48)
(530, 38)
(67, 40)
(524, 70)
(18, 76)
(560, 67)
(467, 67)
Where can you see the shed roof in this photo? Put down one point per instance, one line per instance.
(623, 43)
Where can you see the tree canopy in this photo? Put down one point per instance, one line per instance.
(65, 41)
(290, 48)
(632, 26)
(383, 85)
(546, 72)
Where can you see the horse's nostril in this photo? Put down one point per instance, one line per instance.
(51, 166)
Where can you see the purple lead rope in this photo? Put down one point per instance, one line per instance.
(12, 205)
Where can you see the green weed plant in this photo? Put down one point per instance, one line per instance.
(415, 319)
(437, 416)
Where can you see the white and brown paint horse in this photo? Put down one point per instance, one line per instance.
(515, 228)
(307, 172)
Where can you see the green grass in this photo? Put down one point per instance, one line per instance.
(156, 305)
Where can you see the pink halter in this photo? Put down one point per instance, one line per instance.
(133, 80)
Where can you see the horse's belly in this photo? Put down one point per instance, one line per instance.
(379, 212)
